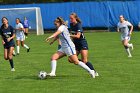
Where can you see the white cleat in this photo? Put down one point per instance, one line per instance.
(12, 69)
(132, 47)
(92, 73)
(96, 74)
(52, 74)
(130, 56)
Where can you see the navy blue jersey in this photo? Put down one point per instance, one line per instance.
(75, 29)
(80, 43)
(7, 33)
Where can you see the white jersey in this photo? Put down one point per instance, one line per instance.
(67, 46)
(65, 37)
(19, 32)
(123, 28)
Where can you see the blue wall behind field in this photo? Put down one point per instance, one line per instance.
(92, 14)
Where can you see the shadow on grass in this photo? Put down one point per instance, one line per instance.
(35, 77)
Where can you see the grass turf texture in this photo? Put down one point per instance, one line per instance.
(118, 73)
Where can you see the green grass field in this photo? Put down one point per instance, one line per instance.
(118, 73)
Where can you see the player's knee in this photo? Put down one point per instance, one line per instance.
(10, 57)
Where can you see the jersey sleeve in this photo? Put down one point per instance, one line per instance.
(61, 28)
(79, 28)
(20, 25)
(129, 24)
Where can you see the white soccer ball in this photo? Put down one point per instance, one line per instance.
(42, 74)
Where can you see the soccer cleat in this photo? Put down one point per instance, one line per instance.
(92, 73)
(12, 69)
(130, 56)
(96, 74)
(52, 74)
(17, 53)
(28, 50)
(132, 47)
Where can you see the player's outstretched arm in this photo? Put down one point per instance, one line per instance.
(54, 39)
(53, 36)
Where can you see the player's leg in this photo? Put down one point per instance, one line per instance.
(25, 46)
(75, 60)
(10, 56)
(26, 32)
(18, 46)
(125, 43)
(54, 59)
(6, 54)
(77, 53)
(84, 58)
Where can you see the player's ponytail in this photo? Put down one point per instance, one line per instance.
(76, 17)
(61, 21)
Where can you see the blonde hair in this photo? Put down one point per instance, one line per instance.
(61, 21)
(76, 17)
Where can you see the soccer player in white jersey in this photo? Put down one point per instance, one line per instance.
(123, 27)
(67, 47)
(20, 37)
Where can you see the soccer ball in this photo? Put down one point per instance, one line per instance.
(42, 74)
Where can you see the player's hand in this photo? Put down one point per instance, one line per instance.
(9, 39)
(48, 39)
(3, 42)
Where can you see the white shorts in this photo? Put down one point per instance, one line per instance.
(125, 38)
(20, 37)
(68, 51)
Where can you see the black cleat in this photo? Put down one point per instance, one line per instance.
(28, 50)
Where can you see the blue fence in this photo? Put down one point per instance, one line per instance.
(92, 14)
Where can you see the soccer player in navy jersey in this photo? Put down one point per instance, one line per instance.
(8, 34)
(67, 47)
(80, 40)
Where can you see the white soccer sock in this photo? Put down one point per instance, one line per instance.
(53, 66)
(26, 46)
(128, 51)
(129, 45)
(83, 65)
(18, 48)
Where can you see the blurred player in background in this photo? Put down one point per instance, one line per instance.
(8, 34)
(80, 40)
(20, 37)
(139, 25)
(123, 27)
(67, 47)
(26, 26)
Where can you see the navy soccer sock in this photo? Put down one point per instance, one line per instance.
(90, 66)
(11, 63)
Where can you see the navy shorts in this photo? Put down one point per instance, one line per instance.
(7, 45)
(81, 45)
